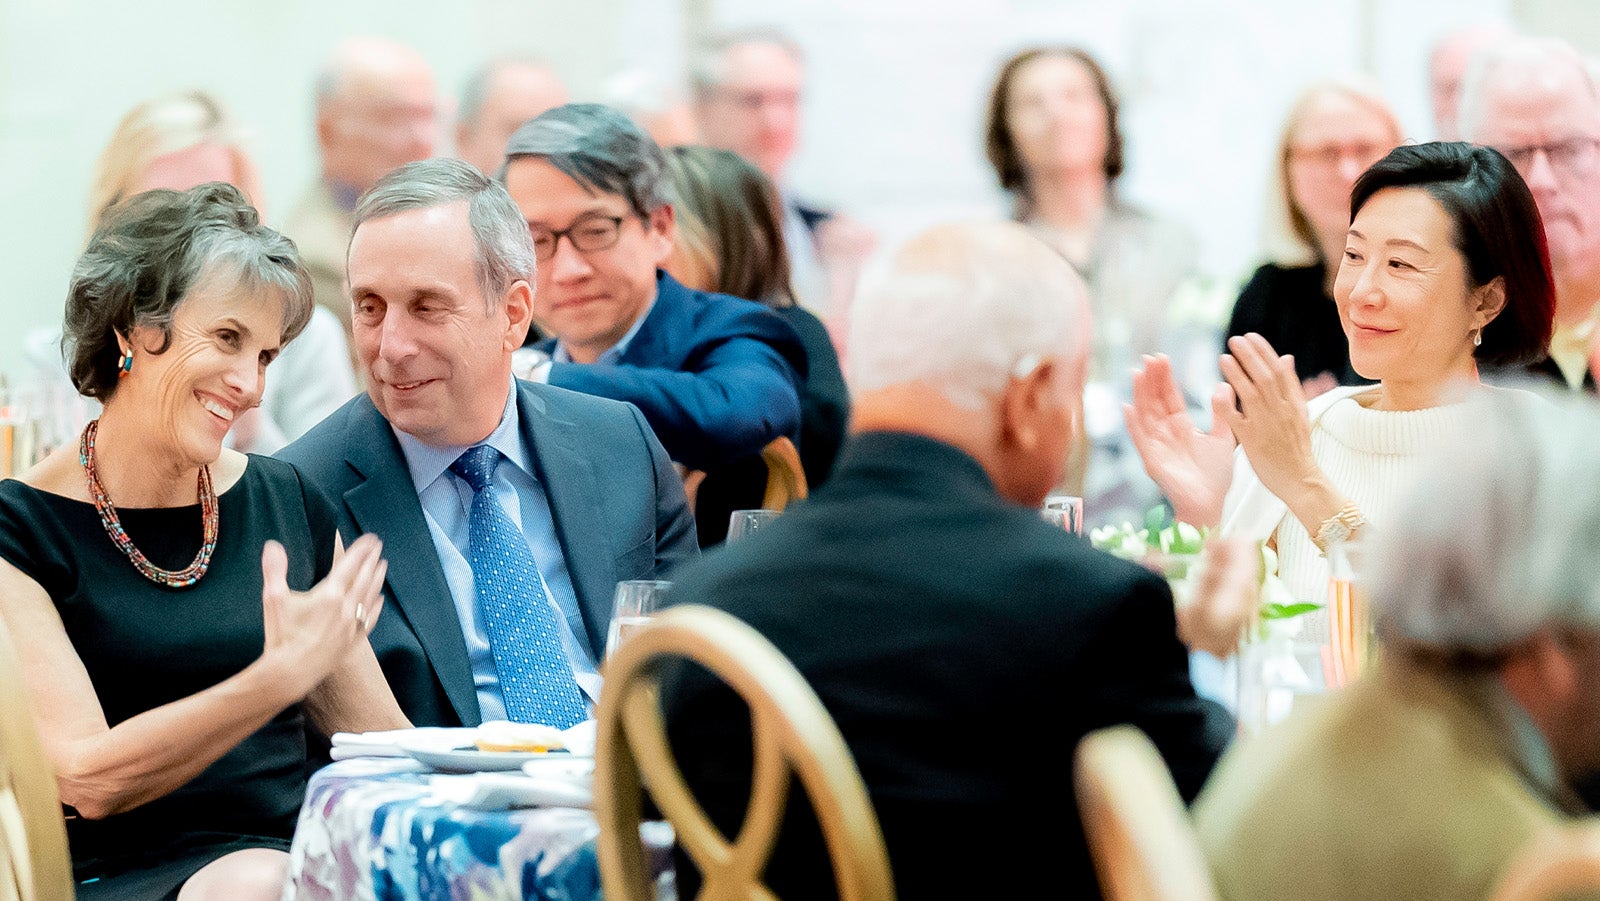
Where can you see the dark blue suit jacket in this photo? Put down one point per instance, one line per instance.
(717, 377)
(619, 513)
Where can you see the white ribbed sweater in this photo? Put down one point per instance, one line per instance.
(1371, 456)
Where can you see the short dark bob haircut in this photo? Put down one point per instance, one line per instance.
(1497, 230)
(1001, 146)
(149, 251)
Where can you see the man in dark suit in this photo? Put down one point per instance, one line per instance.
(440, 271)
(962, 645)
(717, 377)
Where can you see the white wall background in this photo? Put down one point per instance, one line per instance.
(894, 105)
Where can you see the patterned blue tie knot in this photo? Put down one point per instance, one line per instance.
(476, 465)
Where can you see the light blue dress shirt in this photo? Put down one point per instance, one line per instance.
(446, 503)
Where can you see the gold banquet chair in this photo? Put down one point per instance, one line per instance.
(34, 865)
(1558, 863)
(1139, 834)
(786, 480)
(792, 733)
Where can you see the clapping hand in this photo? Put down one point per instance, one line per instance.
(1225, 598)
(1270, 416)
(1192, 468)
(312, 631)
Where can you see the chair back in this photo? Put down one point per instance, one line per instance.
(1139, 834)
(786, 480)
(792, 733)
(1557, 863)
(34, 865)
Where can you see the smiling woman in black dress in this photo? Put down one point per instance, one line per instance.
(178, 607)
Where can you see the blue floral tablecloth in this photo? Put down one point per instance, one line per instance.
(372, 829)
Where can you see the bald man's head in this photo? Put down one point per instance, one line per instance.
(377, 109)
(976, 334)
(497, 100)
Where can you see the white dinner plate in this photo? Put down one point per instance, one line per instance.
(471, 760)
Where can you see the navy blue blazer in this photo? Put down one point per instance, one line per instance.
(618, 505)
(717, 377)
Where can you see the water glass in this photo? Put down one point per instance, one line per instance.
(636, 600)
(1064, 512)
(747, 522)
(1352, 636)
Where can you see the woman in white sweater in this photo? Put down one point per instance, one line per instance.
(1444, 268)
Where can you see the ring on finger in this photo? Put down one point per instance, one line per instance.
(361, 616)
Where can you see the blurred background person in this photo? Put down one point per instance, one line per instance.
(377, 109)
(748, 90)
(1438, 277)
(1448, 61)
(659, 107)
(1426, 777)
(177, 142)
(497, 99)
(1535, 100)
(729, 240)
(1054, 141)
(181, 609)
(1334, 131)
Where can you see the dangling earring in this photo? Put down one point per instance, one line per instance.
(124, 363)
(1477, 337)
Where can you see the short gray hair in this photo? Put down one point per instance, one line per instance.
(706, 72)
(598, 147)
(499, 233)
(1516, 52)
(960, 307)
(1496, 543)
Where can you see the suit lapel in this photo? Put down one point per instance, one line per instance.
(652, 344)
(385, 503)
(569, 484)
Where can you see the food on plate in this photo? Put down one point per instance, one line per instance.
(503, 735)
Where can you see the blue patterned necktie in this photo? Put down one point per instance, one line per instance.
(535, 676)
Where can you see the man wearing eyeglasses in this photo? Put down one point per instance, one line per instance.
(716, 377)
(1533, 100)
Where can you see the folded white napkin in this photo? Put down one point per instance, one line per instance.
(580, 740)
(387, 744)
(563, 786)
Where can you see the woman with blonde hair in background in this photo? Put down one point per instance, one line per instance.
(1334, 131)
(187, 139)
(730, 240)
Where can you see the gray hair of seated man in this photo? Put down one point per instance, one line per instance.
(1497, 542)
(1519, 52)
(965, 307)
(500, 234)
(598, 147)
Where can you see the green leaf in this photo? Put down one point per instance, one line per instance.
(1154, 519)
(1287, 611)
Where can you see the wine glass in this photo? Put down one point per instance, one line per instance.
(636, 600)
(747, 522)
(1064, 511)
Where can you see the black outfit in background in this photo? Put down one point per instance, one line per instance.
(824, 414)
(963, 647)
(1288, 306)
(145, 645)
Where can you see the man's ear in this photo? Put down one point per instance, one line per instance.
(662, 228)
(518, 306)
(1541, 675)
(1023, 401)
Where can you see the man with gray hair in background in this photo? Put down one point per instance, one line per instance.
(376, 109)
(716, 376)
(1534, 100)
(510, 510)
(497, 100)
(962, 645)
(1426, 777)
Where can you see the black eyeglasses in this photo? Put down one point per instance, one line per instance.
(592, 233)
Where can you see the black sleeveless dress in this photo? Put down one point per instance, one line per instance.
(145, 645)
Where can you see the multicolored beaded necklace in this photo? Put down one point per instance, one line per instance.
(108, 518)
